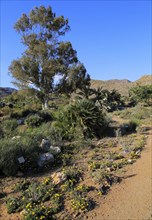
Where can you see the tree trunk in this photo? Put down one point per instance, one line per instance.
(45, 104)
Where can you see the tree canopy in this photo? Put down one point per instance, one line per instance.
(48, 64)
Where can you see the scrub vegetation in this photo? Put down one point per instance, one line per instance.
(86, 135)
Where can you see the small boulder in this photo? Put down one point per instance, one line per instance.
(20, 121)
(55, 150)
(45, 145)
(46, 157)
(16, 137)
(58, 177)
(130, 161)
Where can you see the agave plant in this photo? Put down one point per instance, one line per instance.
(85, 114)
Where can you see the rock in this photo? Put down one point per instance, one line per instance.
(16, 137)
(130, 161)
(45, 145)
(55, 150)
(58, 177)
(46, 157)
(138, 152)
(20, 121)
(23, 212)
(108, 169)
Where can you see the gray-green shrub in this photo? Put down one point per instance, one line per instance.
(33, 120)
(11, 150)
(82, 116)
(8, 127)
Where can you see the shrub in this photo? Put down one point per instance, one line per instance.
(38, 212)
(11, 150)
(13, 205)
(8, 157)
(33, 120)
(130, 126)
(8, 127)
(82, 117)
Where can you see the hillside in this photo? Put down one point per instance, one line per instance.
(4, 91)
(122, 86)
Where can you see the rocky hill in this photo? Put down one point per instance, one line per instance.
(122, 86)
(4, 91)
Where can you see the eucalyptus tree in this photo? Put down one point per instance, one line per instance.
(48, 65)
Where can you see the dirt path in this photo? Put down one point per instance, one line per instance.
(132, 198)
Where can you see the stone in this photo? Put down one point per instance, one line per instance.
(130, 161)
(108, 169)
(55, 150)
(16, 137)
(45, 145)
(46, 157)
(138, 152)
(20, 121)
(58, 177)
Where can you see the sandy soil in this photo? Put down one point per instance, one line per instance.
(132, 198)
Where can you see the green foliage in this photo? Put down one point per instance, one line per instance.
(13, 205)
(137, 113)
(80, 203)
(22, 185)
(11, 150)
(82, 118)
(31, 198)
(40, 212)
(33, 120)
(8, 127)
(142, 94)
(108, 100)
(37, 192)
(47, 56)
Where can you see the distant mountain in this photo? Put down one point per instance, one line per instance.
(144, 80)
(122, 86)
(4, 91)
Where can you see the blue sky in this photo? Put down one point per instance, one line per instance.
(112, 38)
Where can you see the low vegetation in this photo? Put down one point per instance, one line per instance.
(63, 144)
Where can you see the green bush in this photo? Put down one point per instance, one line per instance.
(9, 164)
(8, 127)
(83, 118)
(139, 112)
(33, 120)
(13, 205)
(11, 150)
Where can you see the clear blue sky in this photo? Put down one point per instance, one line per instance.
(112, 38)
